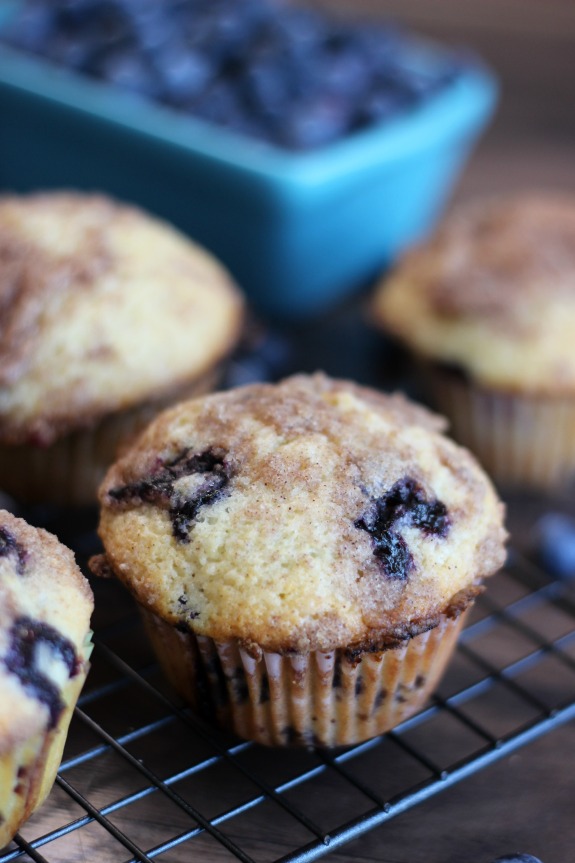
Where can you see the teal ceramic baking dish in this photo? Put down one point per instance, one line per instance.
(299, 232)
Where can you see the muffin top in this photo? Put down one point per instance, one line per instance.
(101, 307)
(310, 514)
(45, 608)
(493, 292)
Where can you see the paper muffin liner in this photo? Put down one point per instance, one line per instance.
(520, 440)
(303, 699)
(28, 770)
(69, 471)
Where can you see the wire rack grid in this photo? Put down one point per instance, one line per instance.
(144, 780)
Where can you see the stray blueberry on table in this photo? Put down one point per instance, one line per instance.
(517, 858)
(555, 544)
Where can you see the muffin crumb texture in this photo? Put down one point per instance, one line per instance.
(307, 515)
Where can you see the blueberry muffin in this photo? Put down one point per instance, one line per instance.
(488, 307)
(45, 608)
(302, 553)
(106, 316)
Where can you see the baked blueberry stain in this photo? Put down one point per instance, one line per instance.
(264, 689)
(337, 676)
(216, 683)
(405, 504)
(160, 488)
(239, 684)
(21, 659)
(379, 699)
(10, 547)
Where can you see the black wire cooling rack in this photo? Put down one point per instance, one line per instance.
(144, 780)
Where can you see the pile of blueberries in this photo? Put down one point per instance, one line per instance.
(289, 75)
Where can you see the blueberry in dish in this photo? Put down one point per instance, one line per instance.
(298, 78)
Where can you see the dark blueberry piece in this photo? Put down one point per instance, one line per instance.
(297, 31)
(267, 86)
(150, 28)
(128, 70)
(359, 685)
(183, 73)
(31, 28)
(21, 659)
(345, 71)
(159, 488)
(392, 552)
(183, 511)
(379, 105)
(226, 30)
(80, 13)
(315, 122)
(517, 858)
(69, 51)
(405, 503)
(220, 103)
(10, 547)
(267, 358)
(555, 544)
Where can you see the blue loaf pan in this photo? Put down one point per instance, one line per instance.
(299, 232)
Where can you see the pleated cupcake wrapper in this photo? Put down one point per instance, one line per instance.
(520, 440)
(69, 471)
(28, 770)
(307, 699)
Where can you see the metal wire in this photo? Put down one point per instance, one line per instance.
(484, 678)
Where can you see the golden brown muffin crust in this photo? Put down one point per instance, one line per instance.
(101, 307)
(492, 292)
(489, 255)
(32, 278)
(266, 514)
